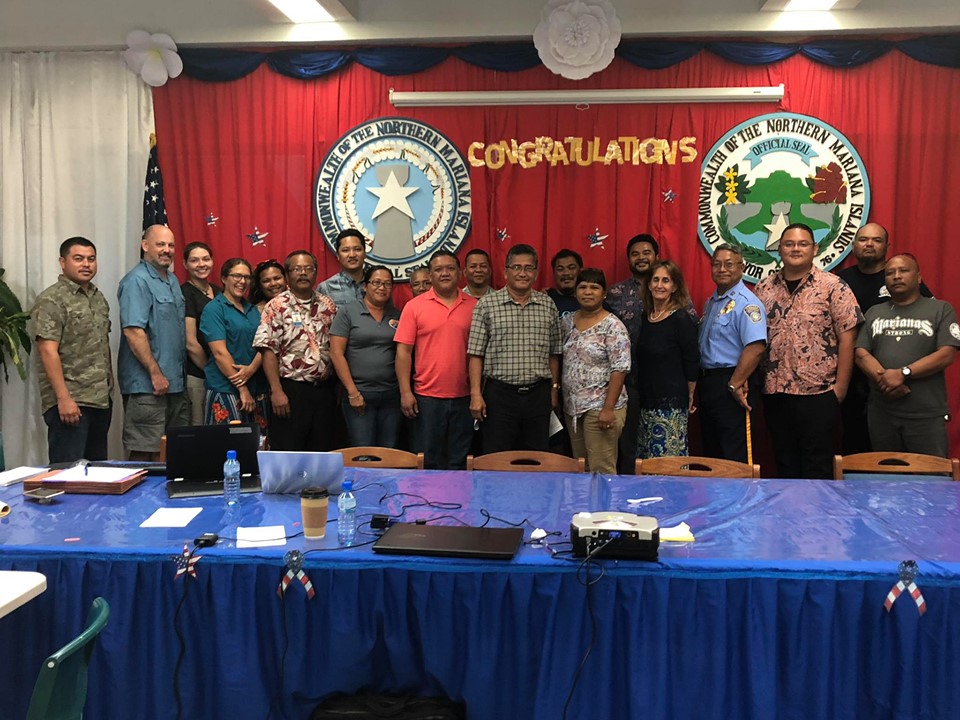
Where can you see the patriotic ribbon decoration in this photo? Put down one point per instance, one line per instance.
(294, 561)
(908, 571)
(186, 562)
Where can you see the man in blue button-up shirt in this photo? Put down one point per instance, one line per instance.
(733, 338)
(153, 347)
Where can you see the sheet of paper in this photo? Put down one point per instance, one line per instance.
(555, 424)
(12, 477)
(250, 537)
(677, 533)
(82, 473)
(171, 517)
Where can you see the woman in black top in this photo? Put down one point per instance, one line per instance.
(197, 292)
(668, 363)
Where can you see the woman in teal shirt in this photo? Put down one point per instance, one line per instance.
(235, 384)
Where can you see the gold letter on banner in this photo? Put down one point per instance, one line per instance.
(544, 149)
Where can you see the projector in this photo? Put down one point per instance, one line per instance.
(618, 534)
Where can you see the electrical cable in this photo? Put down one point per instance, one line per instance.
(488, 517)
(181, 643)
(588, 583)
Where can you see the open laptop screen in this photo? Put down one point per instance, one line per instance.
(196, 453)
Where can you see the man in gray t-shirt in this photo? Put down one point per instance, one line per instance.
(904, 346)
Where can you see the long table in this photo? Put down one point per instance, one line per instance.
(775, 611)
(17, 588)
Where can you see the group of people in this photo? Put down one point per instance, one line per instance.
(473, 368)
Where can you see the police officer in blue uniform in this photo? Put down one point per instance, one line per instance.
(733, 338)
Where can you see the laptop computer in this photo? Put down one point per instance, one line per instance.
(450, 540)
(291, 472)
(195, 456)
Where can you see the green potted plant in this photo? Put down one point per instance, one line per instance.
(14, 338)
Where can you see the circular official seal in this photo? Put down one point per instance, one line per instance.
(401, 183)
(775, 170)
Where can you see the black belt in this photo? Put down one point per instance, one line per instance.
(519, 389)
(312, 383)
(707, 372)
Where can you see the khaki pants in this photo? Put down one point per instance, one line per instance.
(598, 446)
(198, 399)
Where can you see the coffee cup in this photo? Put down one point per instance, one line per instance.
(313, 507)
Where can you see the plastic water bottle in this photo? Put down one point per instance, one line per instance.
(231, 479)
(347, 520)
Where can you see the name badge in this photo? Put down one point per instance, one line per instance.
(297, 320)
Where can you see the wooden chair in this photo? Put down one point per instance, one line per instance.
(694, 466)
(899, 463)
(381, 457)
(526, 461)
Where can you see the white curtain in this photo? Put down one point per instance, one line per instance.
(74, 139)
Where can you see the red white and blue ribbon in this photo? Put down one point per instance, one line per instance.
(294, 561)
(908, 571)
(186, 562)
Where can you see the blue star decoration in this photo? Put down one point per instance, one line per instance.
(669, 195)
(502, 234)
(211, 219)
(257, 237)
(186, 562)
(596, 239)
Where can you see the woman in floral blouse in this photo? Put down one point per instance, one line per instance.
(596, 360)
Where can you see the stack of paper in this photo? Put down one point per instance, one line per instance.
(12, 477)
(88, 479)
(677, 533)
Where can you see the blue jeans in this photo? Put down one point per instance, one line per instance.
(84, 441)
(379, 426)
(444, 431)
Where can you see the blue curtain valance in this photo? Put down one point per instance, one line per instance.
(215, 65)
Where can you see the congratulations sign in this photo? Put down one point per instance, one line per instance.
(623, 150)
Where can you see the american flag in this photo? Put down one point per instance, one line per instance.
(154, 209)
(185, 563)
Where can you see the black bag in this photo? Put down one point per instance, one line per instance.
(393, 707)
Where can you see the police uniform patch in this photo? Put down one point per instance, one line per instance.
(731, 304)
(753, 312)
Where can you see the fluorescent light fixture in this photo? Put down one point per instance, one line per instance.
(808, 5)
(302, 11)
(627, 96)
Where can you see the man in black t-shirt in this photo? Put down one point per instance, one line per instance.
(566, 266)
(904, 347)
(866, 280)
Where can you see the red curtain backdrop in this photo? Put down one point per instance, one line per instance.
(248, 153)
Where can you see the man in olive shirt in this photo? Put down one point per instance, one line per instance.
(71, 325)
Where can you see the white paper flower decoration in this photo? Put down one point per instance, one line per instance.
(152, 57)
(576, 39)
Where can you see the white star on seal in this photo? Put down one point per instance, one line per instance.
(393, 195)
(776, 230)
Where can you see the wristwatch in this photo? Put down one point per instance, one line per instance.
(905, 370)
(732, 389)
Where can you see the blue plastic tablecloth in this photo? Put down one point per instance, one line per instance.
(776, 610)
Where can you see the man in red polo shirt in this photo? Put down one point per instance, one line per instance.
(436, 325)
